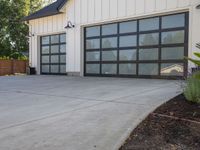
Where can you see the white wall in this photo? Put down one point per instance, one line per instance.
(89, 12)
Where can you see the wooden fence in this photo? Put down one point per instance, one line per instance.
(9, 67)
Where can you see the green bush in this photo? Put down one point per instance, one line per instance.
(195, 61)
(192, 90)
(4, 58)
(17, 58)
(196, 75)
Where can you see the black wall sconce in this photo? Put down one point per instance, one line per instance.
(198, 7)
(31, 34)
(69, 25)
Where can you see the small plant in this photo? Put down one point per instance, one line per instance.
(196, 75)
(15, 56)
(192, 90)
(195, 61)
(4, 58)
(22, 58)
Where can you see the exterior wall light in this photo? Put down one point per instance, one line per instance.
(198, 7)
(31, 34)
(69, 25)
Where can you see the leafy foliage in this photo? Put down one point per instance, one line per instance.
(196, 75)
(192, 91)
(196, 61)
(14, 32)
(22, 57)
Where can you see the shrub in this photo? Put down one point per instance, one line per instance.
(196, 75)
(15, 56)
(4, 58)
(192, 90)
(196, 61)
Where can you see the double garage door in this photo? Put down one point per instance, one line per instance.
(151, 48)
(53, 54)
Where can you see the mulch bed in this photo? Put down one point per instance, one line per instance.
(173, 126)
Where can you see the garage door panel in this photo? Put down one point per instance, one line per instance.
(152, 47)
(53, 54)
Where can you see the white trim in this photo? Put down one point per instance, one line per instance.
(50, 33)
(143, 16)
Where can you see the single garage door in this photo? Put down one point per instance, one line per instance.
(149, 48)
(53, 54)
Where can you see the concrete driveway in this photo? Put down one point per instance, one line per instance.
(74, 113)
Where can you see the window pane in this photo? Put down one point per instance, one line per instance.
(173, 37)
(63, 48)
(62, 68)
(93, 31)
(55, 59)
(54, 39)
(148, 69)
(109, 55)
(45, 59)
(127, 69)
(55, 49)
(45, 68)
(149, 24)
(173, 53)
(127, 27)
(109, 29)
(63, 38)
(148, 54)
(93, 56)
(109, 42)
(45, 40)
(109, 68)
(45, 49)
(149, 39)
(93, 68)
(128, 41)
(93, 44)
(54, 68)
(126, 55)
(173, 21)
(63, 58)
(172, 69)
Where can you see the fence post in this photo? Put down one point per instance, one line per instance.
(12, 66)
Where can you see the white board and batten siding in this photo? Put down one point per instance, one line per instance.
(91, 12)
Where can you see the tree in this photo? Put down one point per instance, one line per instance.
(14, 32)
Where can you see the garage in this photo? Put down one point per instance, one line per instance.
(148, 48)
(53, 54)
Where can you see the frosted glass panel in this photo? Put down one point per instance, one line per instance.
(148, 69)
(173, 21)
(149, 39)
(173, 37)
(109, 68)
(127, 69)
(93, 68)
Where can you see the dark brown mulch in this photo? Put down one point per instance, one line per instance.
(164, 131)
(179, 107)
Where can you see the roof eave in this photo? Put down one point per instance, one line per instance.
(49, 10)
(62, 6)
(33, 18)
